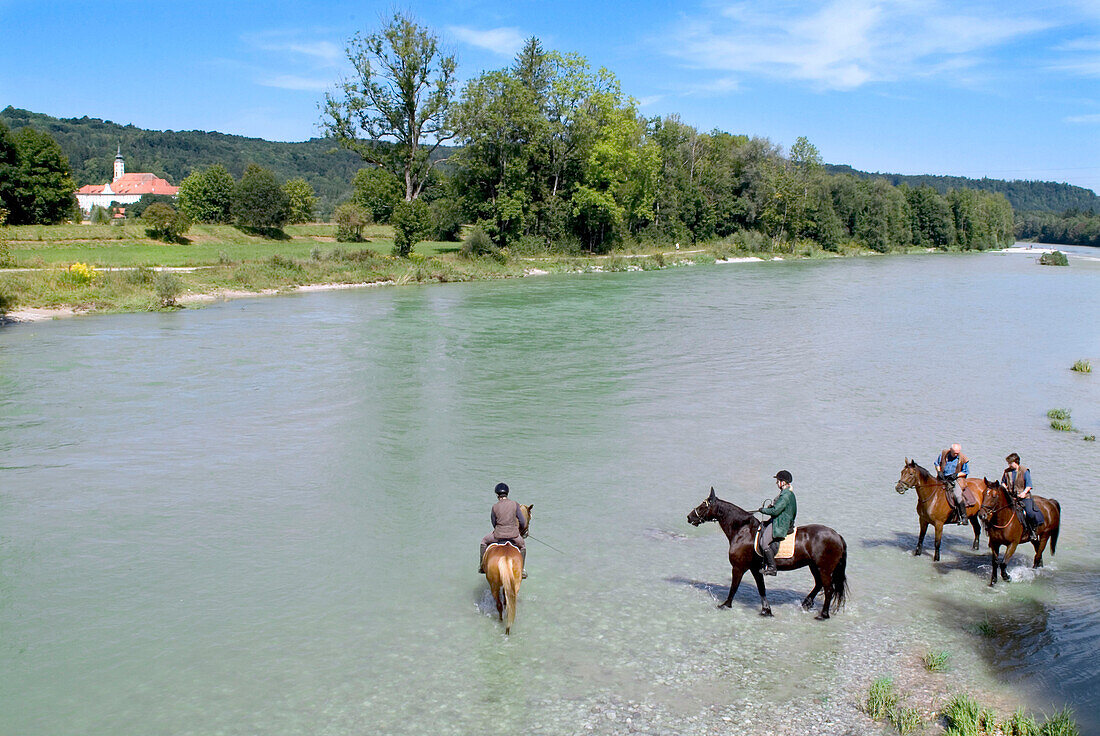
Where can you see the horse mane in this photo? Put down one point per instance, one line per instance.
(733, 512)
(922, 471)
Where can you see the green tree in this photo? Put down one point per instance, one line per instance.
(164, 222)
(9, 170)
(39, 189)
(410, 223)
(931, 220)
(351, 218)
(207, 195)
(259, 203)
(303, 201)
(402, 92)
(378, 190)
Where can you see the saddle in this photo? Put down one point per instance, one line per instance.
(505, 543)
(786, 546)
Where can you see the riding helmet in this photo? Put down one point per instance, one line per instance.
(784, 475)
(502, 489)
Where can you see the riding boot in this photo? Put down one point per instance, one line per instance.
(481, 561)
(769, 560)
(523, 552)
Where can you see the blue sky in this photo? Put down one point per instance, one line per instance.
(1004, 89)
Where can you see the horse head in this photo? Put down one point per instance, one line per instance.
(910, 476)
(706, 511)
(993, 501)
(526, 511)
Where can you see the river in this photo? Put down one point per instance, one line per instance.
(262, 516)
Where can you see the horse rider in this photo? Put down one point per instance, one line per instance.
(782, 510)
(952, 468)
(508, 526)
(1017, 479)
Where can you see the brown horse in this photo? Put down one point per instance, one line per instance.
(1004, 529)
(503, 566)
(932, 504)
(817, 547)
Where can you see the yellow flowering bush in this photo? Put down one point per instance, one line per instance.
(82, 273)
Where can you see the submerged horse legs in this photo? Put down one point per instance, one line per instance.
(808, 601)
(977, 530)
(737, 575)
(765, 609)
(1040, 546)
(939, 536)
(920, 540)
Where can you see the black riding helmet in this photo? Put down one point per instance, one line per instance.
(784, 475)
(502, 489)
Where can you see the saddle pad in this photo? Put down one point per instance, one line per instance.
(969, 497)
(786, 547)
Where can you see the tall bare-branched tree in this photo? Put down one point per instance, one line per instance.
(394, 111)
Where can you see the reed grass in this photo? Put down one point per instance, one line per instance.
(1082, 366)
(1060, 420)
(906, 720)
(935, 660)
(881, 699)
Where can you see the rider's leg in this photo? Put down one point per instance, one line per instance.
(485, 542)
(960, 501)
(767, 550)
(523, 552)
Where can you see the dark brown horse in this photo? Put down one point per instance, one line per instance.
(932, 504)
(1004, 529)
(817, 547)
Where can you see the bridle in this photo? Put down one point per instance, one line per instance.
(999, 509)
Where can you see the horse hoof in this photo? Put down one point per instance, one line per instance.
(766, 613)
(720, 606)
(936, 558)
(918, 552)
(821, 617)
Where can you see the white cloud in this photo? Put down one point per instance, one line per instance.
(503, 41)
(295, 82)
(1090, 118)
(845, 44)
(649, 100)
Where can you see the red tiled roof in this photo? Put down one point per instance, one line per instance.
(133, 184)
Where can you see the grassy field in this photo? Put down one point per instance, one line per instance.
(229, 260)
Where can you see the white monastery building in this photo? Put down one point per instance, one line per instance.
(125, 189)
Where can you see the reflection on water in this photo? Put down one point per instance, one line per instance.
(268, 509)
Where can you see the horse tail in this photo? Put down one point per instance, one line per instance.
(840, 577)
(1054, 532)
(508, 582)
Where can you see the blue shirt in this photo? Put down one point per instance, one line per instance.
(949, 466)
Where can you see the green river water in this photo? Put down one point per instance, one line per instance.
(262, 517)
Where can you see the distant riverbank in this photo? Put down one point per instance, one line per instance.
(119, 269)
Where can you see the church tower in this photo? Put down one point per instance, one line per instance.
(120, 165)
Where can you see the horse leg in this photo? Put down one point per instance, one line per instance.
(808, 601)
(1004, 561)
(765, 608)
(920, 540)
(737, 575)
(994, 551)
(828, 602)
(977, 530)
(1040, 547)
(939, 536)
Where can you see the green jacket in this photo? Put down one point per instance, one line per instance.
(782, 510)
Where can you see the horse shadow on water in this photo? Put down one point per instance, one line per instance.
(718, 592)
(956, 554)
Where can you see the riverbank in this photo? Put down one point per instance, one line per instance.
(128, 272)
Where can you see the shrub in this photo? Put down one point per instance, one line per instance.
(935, 661)
(224, 259)
(141, 275)
(445, 216)
(165, 223)
(351, 218)
(478, 243)
(137, 209)
(1060, 420)
(378, 191)
(99, 215)
(81, 273)
(7, 300)
(1082, 366)
(881, 699)
(410, 222)
(168, 287)
(1090, 438)
(1056, 258)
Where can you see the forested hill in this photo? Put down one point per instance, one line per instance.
(90, 144)
(1046, 196)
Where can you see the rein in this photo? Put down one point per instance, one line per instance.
(999, 509)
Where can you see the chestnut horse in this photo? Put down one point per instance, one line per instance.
(503, 566)
(817, 547)
(932, 504)
(1004, 529)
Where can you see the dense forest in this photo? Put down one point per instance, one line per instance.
(1046, 196)
(1068, 228)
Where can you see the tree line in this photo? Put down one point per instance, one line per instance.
(1069, 228)
(552, 154)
